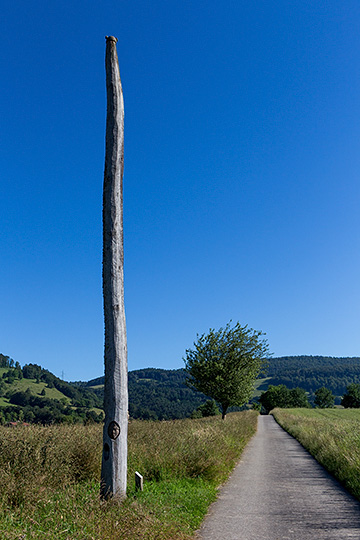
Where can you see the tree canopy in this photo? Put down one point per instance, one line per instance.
(283, 397)
(209, 408)
(351, 399)
(324, 398)
(224, 364)
(313, 372)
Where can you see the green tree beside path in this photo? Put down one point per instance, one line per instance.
(225, 363)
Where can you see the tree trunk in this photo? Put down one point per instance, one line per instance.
(224, 409)
(114, 458)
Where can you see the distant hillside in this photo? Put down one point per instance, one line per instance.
(158, 394)
(33, 394)
(159, 390)
(312, 372)
(163, 394)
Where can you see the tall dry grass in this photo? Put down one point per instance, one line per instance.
(34, 459)
(49, 478)
(189, 448)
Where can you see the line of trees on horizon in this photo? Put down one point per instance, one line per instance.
(282, 397)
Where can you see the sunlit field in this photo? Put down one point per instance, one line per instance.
(49, 478)
(332, 436)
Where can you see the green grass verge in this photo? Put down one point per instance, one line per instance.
(163, 510)
(332, 436)
(49, 479)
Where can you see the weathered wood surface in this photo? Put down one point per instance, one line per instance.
(114, 460)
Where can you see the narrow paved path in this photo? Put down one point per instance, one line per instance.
(279, 492)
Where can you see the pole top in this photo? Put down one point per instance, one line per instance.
(111, 38)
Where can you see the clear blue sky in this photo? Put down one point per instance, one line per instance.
(241, 184)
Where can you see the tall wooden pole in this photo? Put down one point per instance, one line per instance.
(114, 458)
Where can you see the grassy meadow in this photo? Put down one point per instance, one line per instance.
(332, 436)
(21, 385)
(49, 478)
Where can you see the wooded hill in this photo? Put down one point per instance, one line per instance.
(156, 394)
(313, 372)
(34, 394)
(162, 394)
